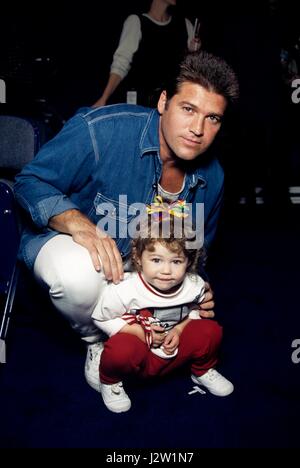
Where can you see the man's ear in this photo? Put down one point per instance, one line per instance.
(161, 105)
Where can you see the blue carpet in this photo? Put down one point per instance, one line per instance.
(254, 269)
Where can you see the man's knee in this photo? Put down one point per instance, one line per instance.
(77, 288)
(67, 270)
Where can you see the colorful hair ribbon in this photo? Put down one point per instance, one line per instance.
(161, 210)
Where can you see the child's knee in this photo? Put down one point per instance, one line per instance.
(205, 331)
(212, 329)
(124, 351)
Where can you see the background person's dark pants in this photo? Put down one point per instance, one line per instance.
(125, 354)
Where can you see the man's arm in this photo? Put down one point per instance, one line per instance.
(207, 304)
(62, 166)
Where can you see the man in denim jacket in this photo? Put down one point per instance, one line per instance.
(102, 162)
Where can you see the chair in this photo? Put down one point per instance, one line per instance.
(19, 142)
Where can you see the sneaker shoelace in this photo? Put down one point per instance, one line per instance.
(94, 352)
(212, 375)
(117, 388)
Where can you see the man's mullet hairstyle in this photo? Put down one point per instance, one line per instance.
(210, 72)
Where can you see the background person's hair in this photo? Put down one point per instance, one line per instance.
(207, 70)
(143, 6)
(153, 232)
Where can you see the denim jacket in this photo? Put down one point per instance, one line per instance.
(100, 154)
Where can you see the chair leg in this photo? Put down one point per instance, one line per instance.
(7, 313)
(2, 352)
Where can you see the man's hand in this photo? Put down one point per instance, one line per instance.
(207, 305)
(102, 249)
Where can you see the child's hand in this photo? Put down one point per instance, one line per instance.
(171, 341)
(158, 335)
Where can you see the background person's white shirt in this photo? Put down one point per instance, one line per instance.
(130, 39)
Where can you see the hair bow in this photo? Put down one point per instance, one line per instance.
(162, 210)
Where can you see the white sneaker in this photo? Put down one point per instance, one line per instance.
(214, 382)
(115, 398)
(91, 369)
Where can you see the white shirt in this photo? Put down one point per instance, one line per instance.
(132, 294)
(130, 39)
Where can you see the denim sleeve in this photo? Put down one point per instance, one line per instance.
(211, 223)
(61, 167)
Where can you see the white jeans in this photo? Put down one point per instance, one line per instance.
(66, 269)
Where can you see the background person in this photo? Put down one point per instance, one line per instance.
(151, 45)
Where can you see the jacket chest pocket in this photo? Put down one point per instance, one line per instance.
(112, 216)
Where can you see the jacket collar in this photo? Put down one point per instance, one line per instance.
(149, 142)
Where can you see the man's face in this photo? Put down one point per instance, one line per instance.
(190, 121)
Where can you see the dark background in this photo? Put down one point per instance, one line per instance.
(80, 40)
(55, 57)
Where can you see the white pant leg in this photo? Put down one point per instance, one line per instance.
(66, 269)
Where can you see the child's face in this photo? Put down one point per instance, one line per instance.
(162, 268)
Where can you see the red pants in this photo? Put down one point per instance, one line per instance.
(126, 354)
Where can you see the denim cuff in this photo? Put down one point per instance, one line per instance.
(49, 207)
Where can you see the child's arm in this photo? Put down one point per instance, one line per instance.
(172, 339)
(134, 329)
(181, 325)
(107, 314)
